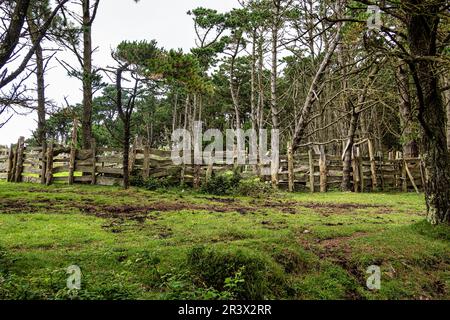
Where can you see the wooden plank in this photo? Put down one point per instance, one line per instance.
(83, 179)
(107, 170)
(31, 170)
(61, 169)
(110, 159)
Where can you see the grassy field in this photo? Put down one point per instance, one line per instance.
(174, 244)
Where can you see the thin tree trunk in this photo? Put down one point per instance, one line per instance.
(347, 158)
(41, 130)
(253, 84)
(174, 112)
(126, 153)
(261, 98)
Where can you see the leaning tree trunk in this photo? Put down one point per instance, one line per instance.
(423, 21)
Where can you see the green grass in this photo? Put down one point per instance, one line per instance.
(175, 244)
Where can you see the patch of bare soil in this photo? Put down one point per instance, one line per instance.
(277, 225)
(140, 212)
(221, 200)
(294, 207)
(8, 206)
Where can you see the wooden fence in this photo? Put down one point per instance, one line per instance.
(313, 171)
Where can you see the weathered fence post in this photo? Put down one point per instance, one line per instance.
(373, 166)
(94, 161)
(209, 170)
(10, 163)
(73, 151)
(43, 162)
(14, 165)
(146, 168)
(290, 158)
(196, 181)
(381, 166)
(182, 175)
(311, 170)
(323, 170)
(356, 174)
(274, 167)
(397, 168)
(132, 158)
(49, 167)
(422, 173)
(361, 169)
(404, 178)
(19, 163)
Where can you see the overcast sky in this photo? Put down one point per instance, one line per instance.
(117, 20)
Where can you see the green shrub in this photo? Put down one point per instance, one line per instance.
(243, 274)
(253, 187)
(137, 181)
(153, 184)
(222, 184)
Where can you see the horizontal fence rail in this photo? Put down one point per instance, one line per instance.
(314, 171)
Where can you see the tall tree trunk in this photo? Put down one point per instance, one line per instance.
(253, 83)
(234, 88)
(274, 69)
(87, 76)
(41, 130)
(422, 25)
(40, 70)
(410, 147)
